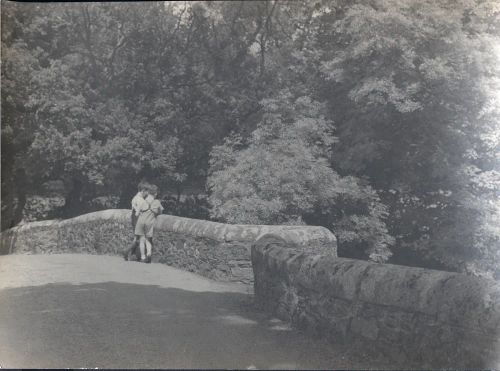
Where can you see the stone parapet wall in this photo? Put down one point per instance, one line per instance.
(426, 317)
(215, 250)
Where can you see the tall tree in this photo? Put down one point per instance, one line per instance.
(19, 60)
(410, 80)
(282, 176)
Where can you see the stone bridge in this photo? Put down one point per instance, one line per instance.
(307, 308)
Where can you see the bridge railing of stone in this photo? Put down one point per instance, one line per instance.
(215, 250)
(428, 317)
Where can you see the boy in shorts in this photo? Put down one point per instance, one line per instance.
(137, 203)
(144, 228)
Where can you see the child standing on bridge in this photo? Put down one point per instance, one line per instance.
(150, 209)
(137, 202)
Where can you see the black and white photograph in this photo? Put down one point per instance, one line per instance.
(261, 184)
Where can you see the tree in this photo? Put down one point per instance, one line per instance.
(101, 95)
(410, 82)
(79, 133)
(281, 175)
(18, 125)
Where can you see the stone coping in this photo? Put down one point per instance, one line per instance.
(299, 235)
(446, 296)
(433, 318)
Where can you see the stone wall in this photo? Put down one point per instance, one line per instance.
(215, 250)
(424, 317)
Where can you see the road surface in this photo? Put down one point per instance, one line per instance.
(74, 311)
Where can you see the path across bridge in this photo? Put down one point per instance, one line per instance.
(72, 311)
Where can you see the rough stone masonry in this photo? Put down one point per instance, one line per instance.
(215, 250)
(430, 318)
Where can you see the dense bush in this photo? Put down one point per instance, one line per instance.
(281, 175)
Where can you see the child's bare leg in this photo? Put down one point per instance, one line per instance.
(142, 246)
(149, 247)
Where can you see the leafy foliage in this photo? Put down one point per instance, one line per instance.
(414, 80)
(282, 176)
(226, 95)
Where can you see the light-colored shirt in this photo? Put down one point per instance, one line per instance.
(153, 204)
(147, 217)
(139, 203)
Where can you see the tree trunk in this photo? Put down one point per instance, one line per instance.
(13, 200)
(18, 208)
(74, 204)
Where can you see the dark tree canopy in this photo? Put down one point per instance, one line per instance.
(377, 119)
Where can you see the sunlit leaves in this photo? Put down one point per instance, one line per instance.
(282, 176)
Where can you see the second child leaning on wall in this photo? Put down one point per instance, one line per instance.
(150, 208)
(143, 189)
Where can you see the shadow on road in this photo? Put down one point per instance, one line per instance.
(117, 325)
